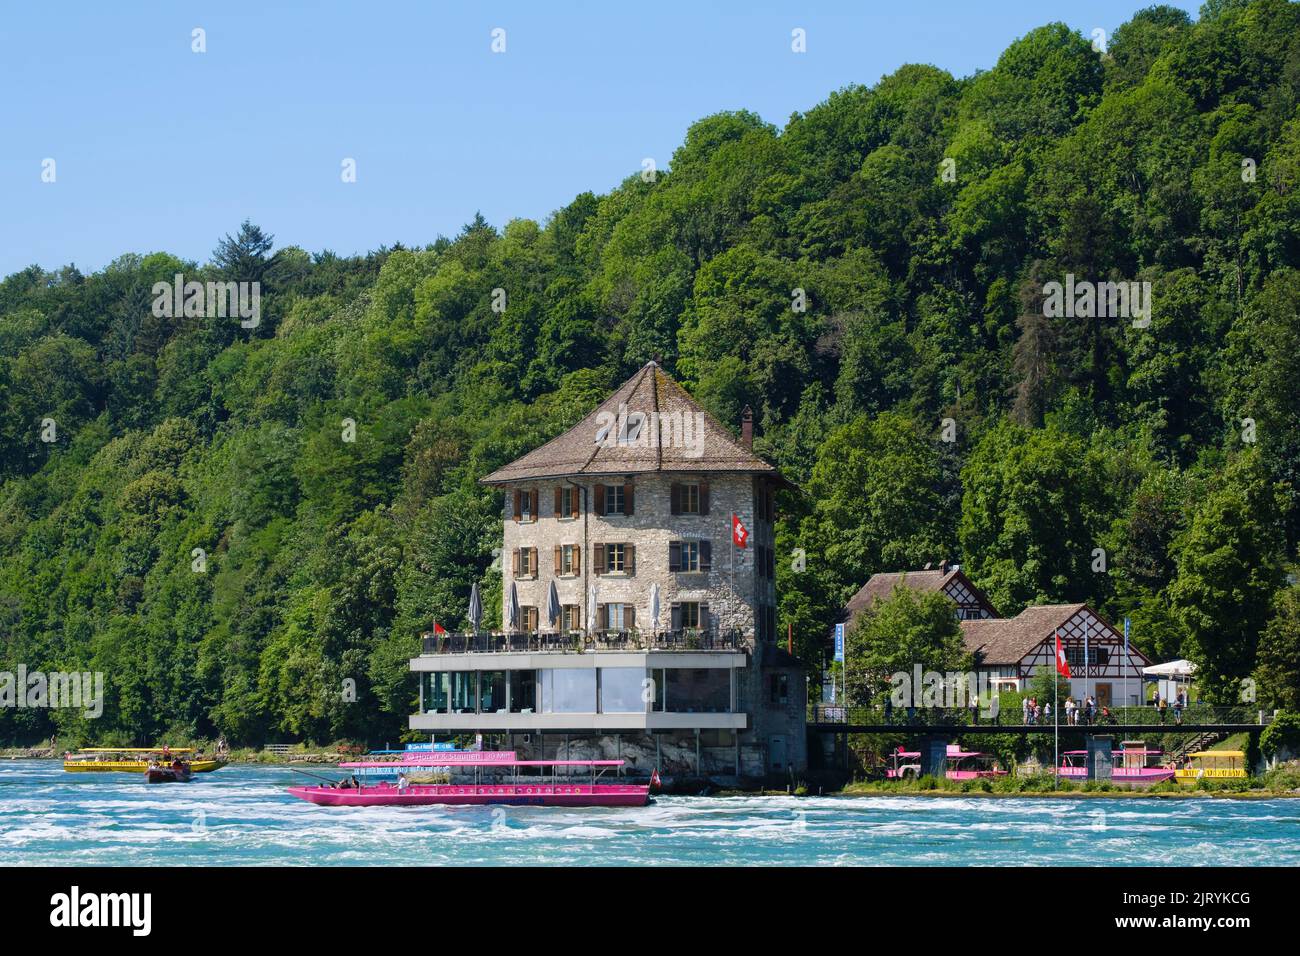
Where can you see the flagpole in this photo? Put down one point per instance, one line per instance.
(1056, 713)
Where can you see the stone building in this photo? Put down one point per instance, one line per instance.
(647, 498)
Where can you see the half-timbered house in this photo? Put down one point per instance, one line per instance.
(1012, 650)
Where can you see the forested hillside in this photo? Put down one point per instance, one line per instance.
(1150, 470)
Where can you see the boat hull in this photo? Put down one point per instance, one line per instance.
(544, 795)
(166, 775)
(132, 766)
(1190, 777)
(1129, 778)
(974, 774)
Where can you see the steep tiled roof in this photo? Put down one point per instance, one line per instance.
(999, 641)
(881, 586)
(659, 445)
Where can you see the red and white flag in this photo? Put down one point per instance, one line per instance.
(739, 533)
(1062, 665)
(654, 778)
(438, 629)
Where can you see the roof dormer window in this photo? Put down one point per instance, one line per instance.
(631, 428)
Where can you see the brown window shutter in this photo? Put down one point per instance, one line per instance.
(559, 502)
(532, 500)
(674, 555)
(675, 499)
(629, 616)
(559, 556)
(704, 497)
(629, 493)
(577, 559)
(518, 504)
(533, 566)
(704, 616)
(706, 555)
(599, 500)
(598, 559)
(604, 616)
(514, 562)
(675, 615)
(629, 559)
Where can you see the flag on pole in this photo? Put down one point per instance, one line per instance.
(1062, 665)
(438, 629)
(654, 778)
(739, 533)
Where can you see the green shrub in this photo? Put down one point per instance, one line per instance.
(1284, 731)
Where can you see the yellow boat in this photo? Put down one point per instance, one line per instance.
(120, 760)
(1212, 765)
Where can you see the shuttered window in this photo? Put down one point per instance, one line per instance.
(566, 502)
(690, 556)
(524, 563)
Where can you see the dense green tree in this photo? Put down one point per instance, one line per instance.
(895, 635)
(1228, 570)
(1034, 509)
(1278, 671)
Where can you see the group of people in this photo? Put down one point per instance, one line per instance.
(1162, 706)
(1085, 711)
(1077, 713)
(1031, 712)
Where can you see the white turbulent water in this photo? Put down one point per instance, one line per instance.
(243, 816)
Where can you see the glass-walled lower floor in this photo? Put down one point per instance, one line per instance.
(580, 690)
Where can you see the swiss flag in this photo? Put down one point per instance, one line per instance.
(739, 533)
(1062, 665)
(438, 629)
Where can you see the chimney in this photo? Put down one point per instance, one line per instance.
(747, 427)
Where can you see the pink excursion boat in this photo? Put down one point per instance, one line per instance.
(971, 765)
(1132, 765)
(962, 764)
(486, 777)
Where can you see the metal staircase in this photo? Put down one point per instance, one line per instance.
(1193, 744)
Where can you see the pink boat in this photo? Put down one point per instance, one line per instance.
(1132, 766)
(971, 765)
(503, 784)
(962, 764)
(901, 764)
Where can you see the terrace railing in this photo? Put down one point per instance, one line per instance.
(686, 639)
(902, 717)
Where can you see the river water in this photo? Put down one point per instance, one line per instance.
(241, 815)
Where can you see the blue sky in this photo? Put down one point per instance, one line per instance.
(159, 148)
